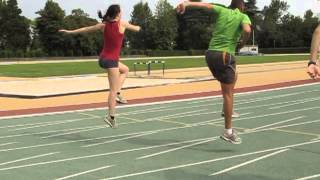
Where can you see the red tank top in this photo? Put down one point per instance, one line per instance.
(112, 41)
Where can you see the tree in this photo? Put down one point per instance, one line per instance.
(195, 28)
(255, 16)
(47, 25)
(15, 28)
(81, 44)
(251, 9)
(142, 16)
(309, 25)
(166, 26)
(2, 21)
(269, 34)
(290, 31)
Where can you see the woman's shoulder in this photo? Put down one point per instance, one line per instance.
(124, 22)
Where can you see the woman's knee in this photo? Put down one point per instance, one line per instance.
(124, 69)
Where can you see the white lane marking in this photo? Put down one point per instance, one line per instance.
(178, 148)
(245, 132)
(84, 172)
(104, 126)
(175, 115)
(267, 105)
(99, 155)
(281, 122)
(84, 140)
(210, 161)
(249, 162)
(279, 113)
(296, 103)
(239, 102)
(5, 144)
(155, 131)
(45, 132)
(246, 101)
(52, 124)
(144, 148)
(297, 132)
(28, 158)
(90, 115)
(44, 123)
(116, 140)
(296, 124)
(67, 142)
(98, 127)
(315, 139)
(74, 132)
(309, 177)
(157, 103)
(131, 119)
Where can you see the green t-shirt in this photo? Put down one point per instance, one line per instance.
(227, 29)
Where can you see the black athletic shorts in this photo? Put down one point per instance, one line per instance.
(106, 63)
(222, 66)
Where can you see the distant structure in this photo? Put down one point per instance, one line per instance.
(249, 50)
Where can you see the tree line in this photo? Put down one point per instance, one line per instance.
(163, 29)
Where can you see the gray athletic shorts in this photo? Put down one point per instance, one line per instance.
(222, 66)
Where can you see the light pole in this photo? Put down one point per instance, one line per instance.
(253, 37)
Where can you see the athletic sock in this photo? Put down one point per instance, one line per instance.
(228, 131)
(112, 113)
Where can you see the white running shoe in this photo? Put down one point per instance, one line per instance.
(121, 100)
(232, 138)
(111, 122)
(234, 114)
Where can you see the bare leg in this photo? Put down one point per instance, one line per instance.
(227, 92)
(315, 44)
(113, 77)
(124, 70)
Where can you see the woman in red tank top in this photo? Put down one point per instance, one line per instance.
(113, 29)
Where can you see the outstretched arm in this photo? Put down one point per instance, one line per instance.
(130, 27)
(313, 65)
(182, 7)
(93, 28)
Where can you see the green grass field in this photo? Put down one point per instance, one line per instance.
(80, 68)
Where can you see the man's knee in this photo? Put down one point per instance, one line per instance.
(227, 91)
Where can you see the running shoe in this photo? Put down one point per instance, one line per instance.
(232, 138)
(121, 100)
(234, 114)
(111, 122)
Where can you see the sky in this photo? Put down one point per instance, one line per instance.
(29, 7)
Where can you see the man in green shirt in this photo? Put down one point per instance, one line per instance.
(230, 26)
